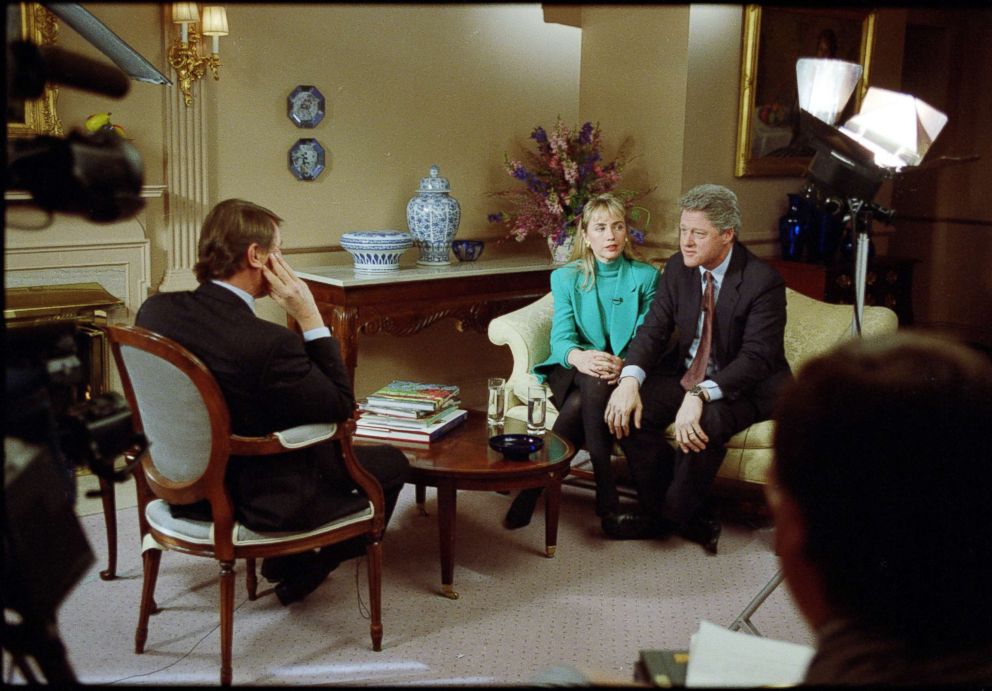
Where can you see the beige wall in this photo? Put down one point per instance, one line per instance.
(633, 82)
(407, 86)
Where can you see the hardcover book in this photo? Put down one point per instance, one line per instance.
(393, 412)
(373, 419)
(410, 395)
(665, 668)
(451, 419)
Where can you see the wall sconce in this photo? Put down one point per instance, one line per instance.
(184, 53)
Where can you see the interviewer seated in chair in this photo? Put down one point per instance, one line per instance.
(599, 301)
(272, 379)
(881, 491)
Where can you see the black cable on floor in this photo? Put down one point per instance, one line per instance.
(181, 658)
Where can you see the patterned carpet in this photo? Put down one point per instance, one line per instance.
(594, 605)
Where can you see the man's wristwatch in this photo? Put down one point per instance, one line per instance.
(699, 391)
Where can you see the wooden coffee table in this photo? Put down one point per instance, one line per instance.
(462, 460)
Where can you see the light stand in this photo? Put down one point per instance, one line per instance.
(893, 131)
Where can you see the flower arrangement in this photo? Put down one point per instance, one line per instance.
(567, 170)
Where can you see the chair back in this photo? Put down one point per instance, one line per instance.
(178, 405)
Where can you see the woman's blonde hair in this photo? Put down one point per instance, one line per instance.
(582, 251)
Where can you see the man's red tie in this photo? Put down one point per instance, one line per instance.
(697, 370)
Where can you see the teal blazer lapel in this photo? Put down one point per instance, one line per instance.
(588, 319)
(624, 318)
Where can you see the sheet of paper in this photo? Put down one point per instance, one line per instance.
(720, 657)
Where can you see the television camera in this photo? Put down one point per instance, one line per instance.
(52, 426)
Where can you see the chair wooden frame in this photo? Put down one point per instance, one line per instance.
(151, 484)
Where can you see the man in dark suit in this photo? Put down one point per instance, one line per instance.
(880, 493)
(718, 378)
(272, 379)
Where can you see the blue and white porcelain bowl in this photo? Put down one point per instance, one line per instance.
(467, 250)
(376, 251)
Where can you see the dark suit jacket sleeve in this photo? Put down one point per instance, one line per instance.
(302, 385)
(650, 342)
(761, 352)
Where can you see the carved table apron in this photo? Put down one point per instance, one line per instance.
(407, 300)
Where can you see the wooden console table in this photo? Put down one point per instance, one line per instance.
(409, 299)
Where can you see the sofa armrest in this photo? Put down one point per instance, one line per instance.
(527, 331)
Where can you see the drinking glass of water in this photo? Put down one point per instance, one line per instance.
(537, 405)
(496, 407)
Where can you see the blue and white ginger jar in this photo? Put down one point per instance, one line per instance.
(433, 216)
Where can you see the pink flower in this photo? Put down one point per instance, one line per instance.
(557, 181)
(571, 170)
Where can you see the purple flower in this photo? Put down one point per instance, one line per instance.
(495, 218)
(638, 235)
(539, 135)
(520, 173)
(585, 134)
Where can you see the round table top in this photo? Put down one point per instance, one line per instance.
(464, 452)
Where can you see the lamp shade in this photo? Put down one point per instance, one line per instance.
(214, 21)
(825, 86)
(184, 12)
(897, 127)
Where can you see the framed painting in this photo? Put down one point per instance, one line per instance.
(30, 21)
(774, 38)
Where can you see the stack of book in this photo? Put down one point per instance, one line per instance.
(410, 411)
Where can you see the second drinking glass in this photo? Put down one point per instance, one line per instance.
(537, 401)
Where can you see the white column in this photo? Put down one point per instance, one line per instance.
(186, 162)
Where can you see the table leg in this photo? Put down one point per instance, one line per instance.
(552, 504)
(446, 504)
(344, 326)
(421, 491)
(110, 519)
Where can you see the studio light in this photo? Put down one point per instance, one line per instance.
(891, 133)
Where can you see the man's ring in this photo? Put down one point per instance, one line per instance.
(691, 433)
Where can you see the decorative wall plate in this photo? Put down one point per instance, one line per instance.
(306, 159)
(305, 106)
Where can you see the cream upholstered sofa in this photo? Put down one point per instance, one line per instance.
(812, 327)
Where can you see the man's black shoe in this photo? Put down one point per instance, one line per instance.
(275, 569)
(521, 509)
(633, 526)
(704, 532)
(298, 585)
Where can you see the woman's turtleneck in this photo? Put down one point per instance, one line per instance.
(607, 275)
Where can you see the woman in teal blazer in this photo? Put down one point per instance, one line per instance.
(599, 301)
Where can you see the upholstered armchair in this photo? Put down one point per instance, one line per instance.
(178, 405)
(812, 327)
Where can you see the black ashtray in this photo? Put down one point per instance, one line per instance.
(516, 447)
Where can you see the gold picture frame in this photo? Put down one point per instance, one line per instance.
(773, 39)
(29, 117)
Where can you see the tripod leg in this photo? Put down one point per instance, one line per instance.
(41, 642)
(743, 619)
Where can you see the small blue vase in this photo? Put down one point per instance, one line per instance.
(792, 230)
